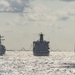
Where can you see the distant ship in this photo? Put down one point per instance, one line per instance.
(41, 47)
(2, 47)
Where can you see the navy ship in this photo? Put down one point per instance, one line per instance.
(2, 47)
(41, 47)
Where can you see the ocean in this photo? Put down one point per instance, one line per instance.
(24, 63)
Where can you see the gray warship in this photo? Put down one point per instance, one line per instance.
(2, 47)
(41, 47)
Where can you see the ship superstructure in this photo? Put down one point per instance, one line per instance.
(2, 47)
(41, 47)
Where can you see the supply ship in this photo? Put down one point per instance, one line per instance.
(2, 47)
(41, 47)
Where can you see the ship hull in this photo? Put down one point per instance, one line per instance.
(43, 53)
(2, 50)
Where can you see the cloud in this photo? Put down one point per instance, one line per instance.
(40, 14)
(4, 5)
(13, 5)
(68, 0)
(36, 13)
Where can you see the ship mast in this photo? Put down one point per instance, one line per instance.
(1, 39)
(41, 37)
(74, 47)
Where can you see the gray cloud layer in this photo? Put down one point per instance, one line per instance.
(68, 0)
(17, 5)
(13, 5)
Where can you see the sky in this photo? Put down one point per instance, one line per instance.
(21, 22)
